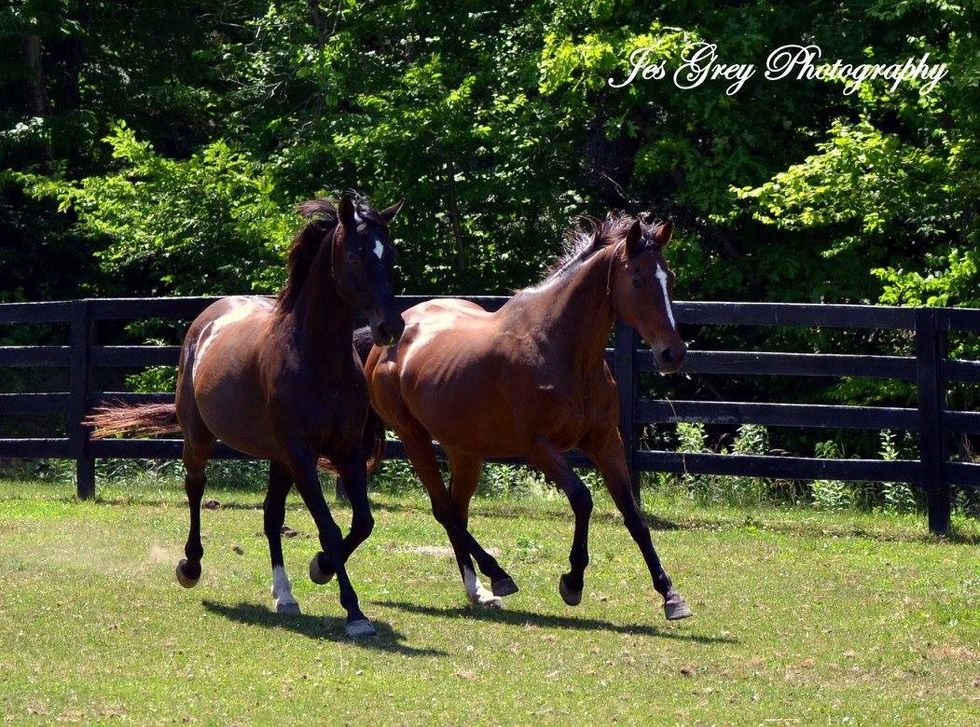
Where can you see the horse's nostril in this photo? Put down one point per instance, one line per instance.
(667, 356)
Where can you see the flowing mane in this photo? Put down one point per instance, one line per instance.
(584, 240)
(323, 221)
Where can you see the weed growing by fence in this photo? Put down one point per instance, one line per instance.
(897, 496)
(831, 495)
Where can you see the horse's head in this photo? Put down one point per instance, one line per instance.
(363, 261)
(641, 285)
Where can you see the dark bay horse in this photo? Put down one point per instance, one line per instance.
(280, 380)
(530, 381)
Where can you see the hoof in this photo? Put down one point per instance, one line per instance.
(569, 596)
(290, 608)
(485, 599)
(182, 578)
(361, 627)
(317, 575)
(676, 608)
(504, 587)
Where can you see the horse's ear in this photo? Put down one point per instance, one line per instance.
(661, 235)
(345, 212)
(389, 214)
(634, 239)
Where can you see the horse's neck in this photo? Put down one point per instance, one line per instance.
(573, 316)
(323, 320)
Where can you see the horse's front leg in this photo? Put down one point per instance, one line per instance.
(303, 464)
(609, 456)
(552, 462)
(351, 467)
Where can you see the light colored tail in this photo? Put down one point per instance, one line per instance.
(147, 420)
(151, 420)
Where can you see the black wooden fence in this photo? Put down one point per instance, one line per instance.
(930, 369)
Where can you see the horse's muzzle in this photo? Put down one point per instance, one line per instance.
(670, 359)
(388, 331)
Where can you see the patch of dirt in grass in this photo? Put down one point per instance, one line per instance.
(947, 652)
(436, 551)
(159, 554)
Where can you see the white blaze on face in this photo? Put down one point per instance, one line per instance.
(662, 277)
(379, 249)
(282, 590)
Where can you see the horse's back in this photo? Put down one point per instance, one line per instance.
(452, 372)
(219, 384)
(444, 337)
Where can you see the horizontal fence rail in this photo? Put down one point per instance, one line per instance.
(929, 369)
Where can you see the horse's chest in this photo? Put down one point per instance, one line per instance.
(571, 406)
(326, 407)
(559, 404)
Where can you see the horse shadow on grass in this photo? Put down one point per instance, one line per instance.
(328, 628)
(516, 510)
(522, 618)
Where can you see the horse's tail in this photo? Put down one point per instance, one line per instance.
(374, 428)
(146, 420)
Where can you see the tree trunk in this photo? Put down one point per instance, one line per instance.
(75, 57)
(454, 225)
(40, 102)
(39, 84)
(317, 20)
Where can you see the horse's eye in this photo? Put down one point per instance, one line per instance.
(639, 282)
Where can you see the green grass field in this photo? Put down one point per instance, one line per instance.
(799, 618)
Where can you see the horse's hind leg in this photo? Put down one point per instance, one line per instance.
(280, 480)
(465, 470)
(554, 465)
(418, 447)
(198, 443)
(196, 454)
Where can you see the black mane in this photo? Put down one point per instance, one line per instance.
(323, 220)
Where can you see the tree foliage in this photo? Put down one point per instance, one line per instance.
(498, 124)
(160, 148)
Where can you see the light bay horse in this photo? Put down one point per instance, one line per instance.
(530, 381)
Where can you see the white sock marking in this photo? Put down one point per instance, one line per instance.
(471, 582)
(282, 590)
(476, 592)
(662, 277)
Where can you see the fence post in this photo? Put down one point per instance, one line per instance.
(624, 370)
(82, 335)
(930, 349)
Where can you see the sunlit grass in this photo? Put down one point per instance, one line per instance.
(800, 616)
